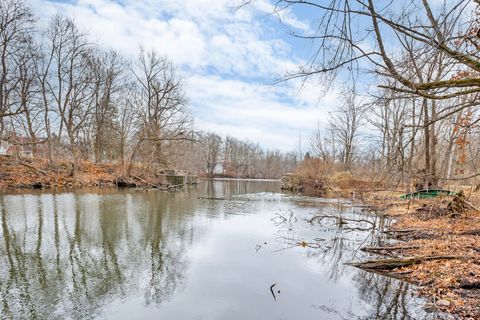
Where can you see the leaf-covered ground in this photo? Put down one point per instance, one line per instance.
(430, 229)
(36, 173)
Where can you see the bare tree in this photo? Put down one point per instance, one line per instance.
(70, 80)
(124, 123)
(344, 27)
(345, 124)
(29, 121)
(107, 68)
(16, 23)
(160, 105)
(212, 144)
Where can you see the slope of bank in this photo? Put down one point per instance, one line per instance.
(436, 245)
(432, 243)
(37, 173)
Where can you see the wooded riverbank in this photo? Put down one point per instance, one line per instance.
(16, 172)
(432, 243)
(436, 248)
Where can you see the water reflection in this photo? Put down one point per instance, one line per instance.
(138, 254)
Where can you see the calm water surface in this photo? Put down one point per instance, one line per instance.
(129, 254)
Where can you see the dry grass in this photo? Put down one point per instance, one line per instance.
(315, 177)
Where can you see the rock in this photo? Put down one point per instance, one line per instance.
(429, 307)
(443, 303)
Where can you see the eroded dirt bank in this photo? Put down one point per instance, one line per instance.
(37, 173)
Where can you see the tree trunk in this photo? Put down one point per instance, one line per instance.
(426, 128)
(433, 145)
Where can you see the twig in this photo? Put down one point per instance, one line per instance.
(472, 205)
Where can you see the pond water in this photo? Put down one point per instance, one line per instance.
(212, 251)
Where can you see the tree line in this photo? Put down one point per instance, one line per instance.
(419, 119)
(230, 157)
(64, 97)
(70, 98)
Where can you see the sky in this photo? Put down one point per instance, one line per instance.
(229, 58)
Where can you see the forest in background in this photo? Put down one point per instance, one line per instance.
(63, 97)
(407, 118)
(408, 111)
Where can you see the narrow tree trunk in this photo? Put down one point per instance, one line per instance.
(97, 147)
(412, 147)
(433, 145)
(426, 128)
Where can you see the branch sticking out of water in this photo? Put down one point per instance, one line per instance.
(284, 216)
(273, 293)
(342, 221)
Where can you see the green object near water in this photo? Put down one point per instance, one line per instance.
(425, 194)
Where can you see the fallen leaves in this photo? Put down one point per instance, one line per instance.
(441, 281)
(37, 173)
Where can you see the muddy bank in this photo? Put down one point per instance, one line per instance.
(37, 173)
(436, 245)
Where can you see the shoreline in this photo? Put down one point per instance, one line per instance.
(430, 246)
(34, 173)
(240, 179)
(433, 248)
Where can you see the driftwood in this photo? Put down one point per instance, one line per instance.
(139, 179)
(212, 198)
(387, 264)
(392, 248)
(32, 167)
(400, 230)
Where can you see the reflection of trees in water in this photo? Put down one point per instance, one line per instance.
(335, 247)
(389, 297)
(224, 188)
(167, 258)
(71, 254)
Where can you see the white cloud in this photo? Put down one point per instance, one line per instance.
(257, 112)
(226, 55)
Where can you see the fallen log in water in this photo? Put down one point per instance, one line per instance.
(392, 248)
(392, 263)
(400, 231)
(212, 198)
